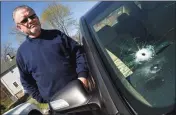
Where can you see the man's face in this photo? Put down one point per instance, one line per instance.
(27, 22)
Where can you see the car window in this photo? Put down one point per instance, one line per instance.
(138, 40)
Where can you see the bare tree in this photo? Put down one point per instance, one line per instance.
(7, 49)
(59, 17)
(77, 36)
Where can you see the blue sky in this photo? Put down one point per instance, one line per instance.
(78, 9)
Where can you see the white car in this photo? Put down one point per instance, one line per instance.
(24, 109)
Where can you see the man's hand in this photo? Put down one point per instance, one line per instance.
(84, 81)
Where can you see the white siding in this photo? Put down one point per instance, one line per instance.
(8, 80)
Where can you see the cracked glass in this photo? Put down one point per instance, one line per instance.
(139, 39)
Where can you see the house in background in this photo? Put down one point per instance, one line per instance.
(10, 80)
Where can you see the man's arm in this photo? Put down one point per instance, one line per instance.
(27, 81)
(81, 64)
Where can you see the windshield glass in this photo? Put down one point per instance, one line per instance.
(139, 39)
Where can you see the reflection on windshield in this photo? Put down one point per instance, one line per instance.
(141, 46)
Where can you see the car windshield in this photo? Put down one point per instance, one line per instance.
(138, 39)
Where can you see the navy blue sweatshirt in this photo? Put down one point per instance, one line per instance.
(44, 68)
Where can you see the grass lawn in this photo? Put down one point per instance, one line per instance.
(41, 106)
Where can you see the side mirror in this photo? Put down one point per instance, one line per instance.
(74, 98)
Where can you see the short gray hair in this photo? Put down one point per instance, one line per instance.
(21, 7)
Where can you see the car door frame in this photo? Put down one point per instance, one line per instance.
(109, 95)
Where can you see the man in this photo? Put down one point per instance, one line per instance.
(44, 68)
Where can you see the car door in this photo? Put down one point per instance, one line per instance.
(130, 49)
